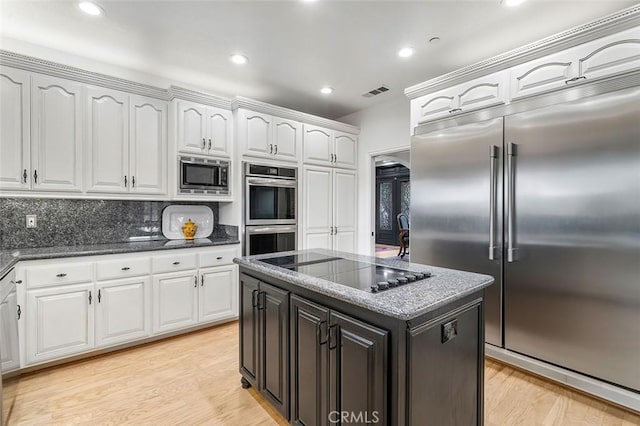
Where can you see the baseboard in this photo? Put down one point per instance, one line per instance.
(602, 390)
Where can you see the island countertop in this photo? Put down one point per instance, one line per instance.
(404, 302)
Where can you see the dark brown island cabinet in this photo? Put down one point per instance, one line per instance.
(322, 361)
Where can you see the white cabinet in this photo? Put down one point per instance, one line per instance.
(123, 310)
(107, 137)
(56, 134)
(60, 322)
(9, 310)
(218, 295)
(203, 130)
(328, 147)
(175, 301)
(329, 208)
(148, 145)
(15, 168)
(267, 136)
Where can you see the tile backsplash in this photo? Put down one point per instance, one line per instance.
(73, 222)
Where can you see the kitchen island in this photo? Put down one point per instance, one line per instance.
(330, 337)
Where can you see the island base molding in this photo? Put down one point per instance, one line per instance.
(613, 394)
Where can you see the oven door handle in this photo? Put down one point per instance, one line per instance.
(285, 183)
(271, 230)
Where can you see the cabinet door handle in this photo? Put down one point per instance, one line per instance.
(133, 181)
(35, 176)
(270, 148)
(24, 176)
(204, 143)
(276, 149)
(574, 79)
(19, 312)
(319, 333)
(61, 275)
(125, 181)
(195, 281)
(90, 298)
(176, 263)
(451, 111)
(201, 280)
(263, 299)
(99, 296)
(254, 298)
(335, 158)
(332, 339)
(209, 144)
(219, 258)
(125, 268)
(19, 282)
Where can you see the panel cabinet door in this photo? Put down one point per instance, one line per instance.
(9, 351)
(432, 106)
(249, 355)
(56, 134)
(59, 322)
(317, 145)
(192, 128)
(358, 360)
(175, 301)
(15, 170)
(107, 132)
(287, 139)
(345, 210)
(256, 133)
(345, 150)
(273, 305)
(309, 362)
(218, 298)
(123, 310)
(615, 54)
(317, 207)
(541, 75)
(482, 92)
(148, 146)
(219, 125)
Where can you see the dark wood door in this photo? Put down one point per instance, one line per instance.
(392, 198)
(309, 362)
(273, 305)
(249, 355)
(358, 373)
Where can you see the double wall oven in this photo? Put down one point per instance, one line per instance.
(270, 209)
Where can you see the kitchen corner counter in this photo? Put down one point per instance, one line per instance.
(405, 302)
(8, 258)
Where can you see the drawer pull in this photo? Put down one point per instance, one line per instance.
(219, 258)
(176, 263)
(61, 275)
(18, 282)
(126, 268)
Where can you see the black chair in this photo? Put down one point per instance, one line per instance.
(403, 235)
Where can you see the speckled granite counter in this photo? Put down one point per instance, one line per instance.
(8, 258)
(405, 302)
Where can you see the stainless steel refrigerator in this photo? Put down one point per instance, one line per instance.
(548, 202)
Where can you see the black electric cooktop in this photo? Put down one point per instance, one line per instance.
(359, 275)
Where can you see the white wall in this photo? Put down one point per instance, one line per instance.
(384, 128)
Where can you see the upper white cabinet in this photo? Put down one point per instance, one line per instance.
(203, 130)
(267, 136)
(15, 168)
(56, 134)
(328, 147)
(603, 57)
(479, 93)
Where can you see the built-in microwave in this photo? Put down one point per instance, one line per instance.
(203, 176)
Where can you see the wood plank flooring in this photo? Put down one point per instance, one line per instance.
(194, 380)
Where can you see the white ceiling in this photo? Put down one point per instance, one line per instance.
(294, 47)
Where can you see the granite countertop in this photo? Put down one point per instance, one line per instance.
(8, 258)
(405, 302)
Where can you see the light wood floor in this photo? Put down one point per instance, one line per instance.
(391, 251)
(194, 380)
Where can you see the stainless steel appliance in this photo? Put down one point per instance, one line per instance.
(270, 217)
(203, 176)
(9, 352)
(547, 200)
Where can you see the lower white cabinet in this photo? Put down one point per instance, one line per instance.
(175, 301)
(123, 310)
(59, 322)
(218, 295)
(9, 350)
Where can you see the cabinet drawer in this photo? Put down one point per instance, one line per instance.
(122, 268)
(59, 274)
(217, 257)
(174, 262)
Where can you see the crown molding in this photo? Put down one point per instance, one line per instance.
(611, 24)
(265, 108)
(199, 97)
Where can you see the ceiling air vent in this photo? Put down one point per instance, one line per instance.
(375, 92)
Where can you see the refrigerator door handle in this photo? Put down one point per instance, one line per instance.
(512, 250)
(493, 189)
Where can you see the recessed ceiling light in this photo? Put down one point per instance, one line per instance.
(326, 90)
(406, 52)
(512, 3)
(434, 40)
(239, 59)
(90, 8)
